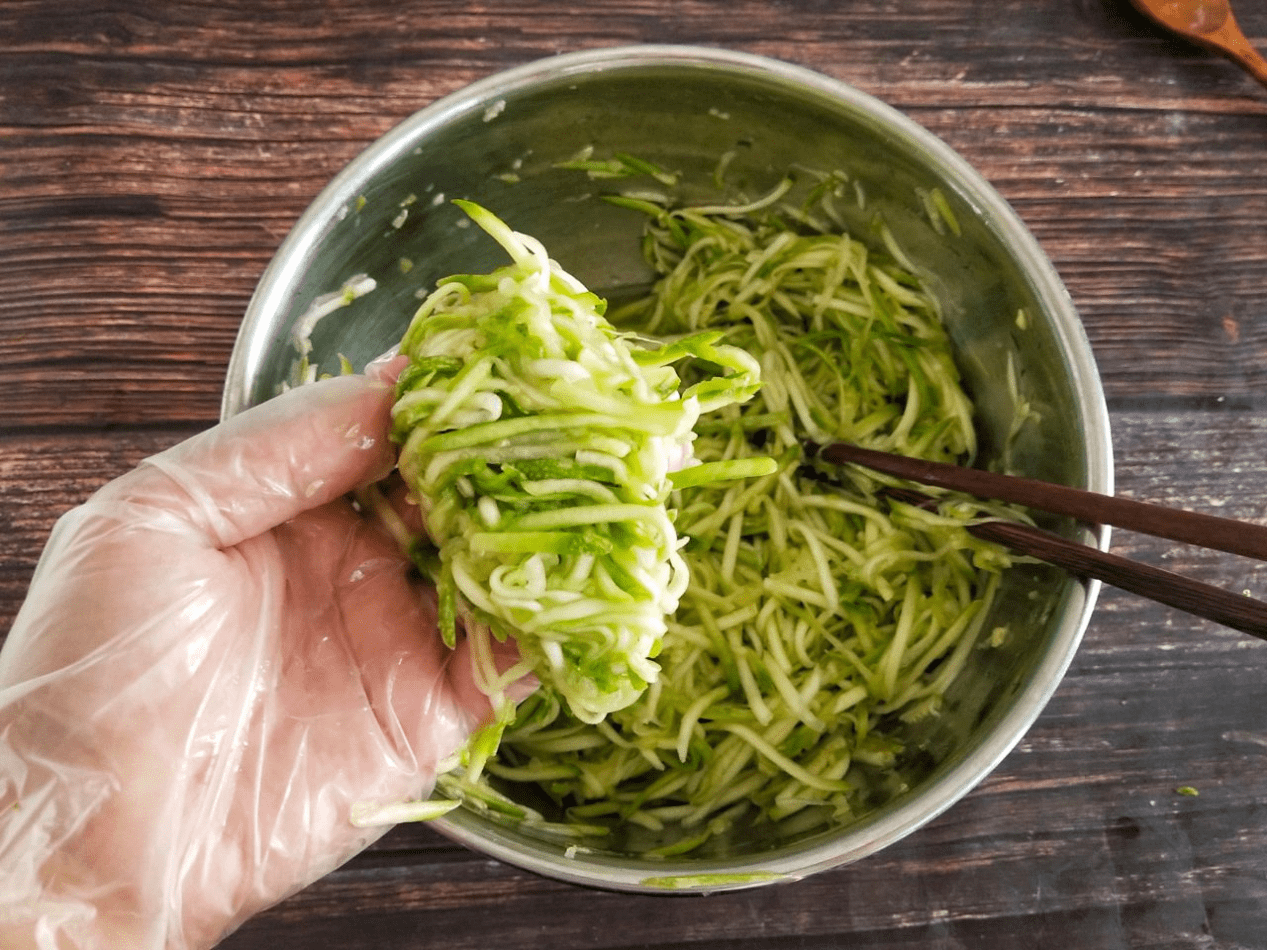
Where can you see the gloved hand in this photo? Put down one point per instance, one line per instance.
(217, 659)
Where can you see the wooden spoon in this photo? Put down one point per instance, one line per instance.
(1208, 23)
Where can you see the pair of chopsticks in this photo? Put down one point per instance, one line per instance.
(1221, 534)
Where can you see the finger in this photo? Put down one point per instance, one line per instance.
(263, 467)
(403, 503)
(388, 366)
(465, 682)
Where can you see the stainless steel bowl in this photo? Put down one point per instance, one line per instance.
(499, 142)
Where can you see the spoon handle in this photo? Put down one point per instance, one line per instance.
(1190, 527)
(1210, 24)
(1239, 50)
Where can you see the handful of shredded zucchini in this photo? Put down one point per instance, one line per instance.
(539, 442)
(816, 614)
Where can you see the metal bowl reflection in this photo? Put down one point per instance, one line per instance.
(500, 141)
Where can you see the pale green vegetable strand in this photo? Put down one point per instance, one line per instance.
(539, 442)
(817, 614)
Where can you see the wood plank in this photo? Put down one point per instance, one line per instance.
(143, 255)
(1203, 460)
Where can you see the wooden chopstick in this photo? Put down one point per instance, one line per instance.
(1236, 611)
(1175, 524)
(1166, 587)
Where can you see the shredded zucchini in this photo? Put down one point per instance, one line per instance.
(817, 614)
(539, 442)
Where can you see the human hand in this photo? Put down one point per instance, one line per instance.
(218, 657)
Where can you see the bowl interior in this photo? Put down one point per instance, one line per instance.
(501, 143)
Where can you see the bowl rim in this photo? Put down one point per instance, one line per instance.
(888, 824)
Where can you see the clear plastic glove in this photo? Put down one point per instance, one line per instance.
(217, 659)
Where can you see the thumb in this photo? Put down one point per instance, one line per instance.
(259, 469)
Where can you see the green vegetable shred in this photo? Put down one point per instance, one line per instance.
(539, 442)
(812, 614)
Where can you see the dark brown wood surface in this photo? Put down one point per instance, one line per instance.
(154, 154)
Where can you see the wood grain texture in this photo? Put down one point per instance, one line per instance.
(153, 156)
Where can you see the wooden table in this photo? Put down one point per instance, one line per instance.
(153, 155)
